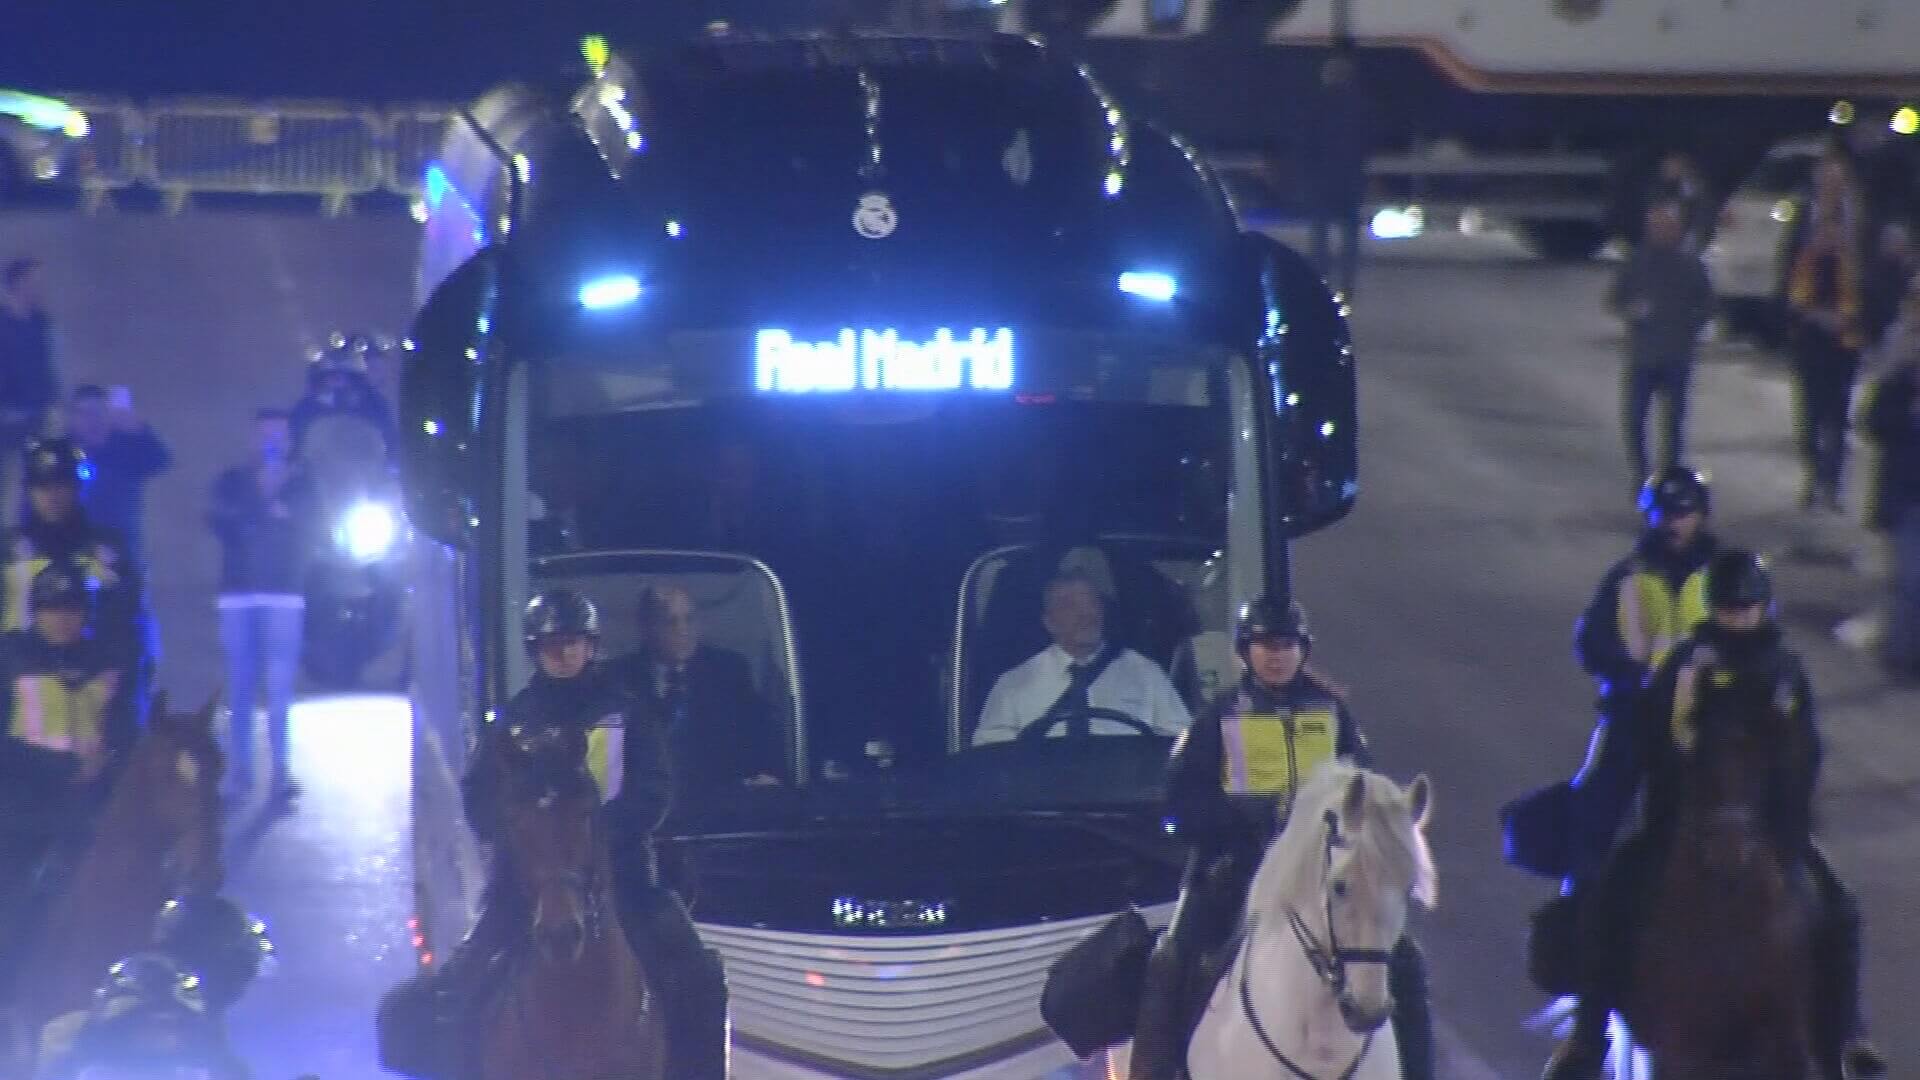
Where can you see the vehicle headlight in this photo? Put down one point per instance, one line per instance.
(369, 531)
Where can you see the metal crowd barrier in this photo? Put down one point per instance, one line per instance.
(181, 147)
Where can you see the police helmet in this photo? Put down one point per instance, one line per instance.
(1674, 491)
(559, 611)
(55, 462)
(1738, 579)
(59, 587)
(217, 941)
(1263, 617)
(148, 1015)
(149, 979)
(344, 352)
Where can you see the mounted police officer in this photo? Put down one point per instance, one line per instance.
(1233, 776)
(1739, 638)
(627, 756)
(55, 528)
(1656, 595)
(56, 684)
(1646, 604)
(218, 943)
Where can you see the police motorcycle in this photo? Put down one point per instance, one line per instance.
(161, 1013)
(355, 586)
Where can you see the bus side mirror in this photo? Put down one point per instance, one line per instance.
(1311, 386)
(440, 404)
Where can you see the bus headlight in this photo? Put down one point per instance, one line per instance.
(369, 531)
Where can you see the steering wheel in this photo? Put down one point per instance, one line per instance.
(1054, 718)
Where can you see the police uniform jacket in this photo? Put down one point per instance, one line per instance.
(98, 552)
(625, 753)
(1666, 714)
(52, 697)
(1646, 603)
(1235, 771)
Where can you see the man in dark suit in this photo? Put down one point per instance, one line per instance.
(720, 731)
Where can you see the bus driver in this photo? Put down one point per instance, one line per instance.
(1078, 672)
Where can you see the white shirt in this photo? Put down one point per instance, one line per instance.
(1131, 684)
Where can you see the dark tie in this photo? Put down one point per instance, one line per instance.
(1075, 700)
(675, 698)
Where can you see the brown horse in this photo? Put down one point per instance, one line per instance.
(157, 836)
(575, 1004)
(1722, 976)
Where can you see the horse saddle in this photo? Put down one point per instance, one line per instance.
(1092, 993)
(1542, 830)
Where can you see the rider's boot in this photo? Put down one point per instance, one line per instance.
(697, 1048)
(1412, 1019)
(1844, 1049)
(463, 975)
(1160, 1031)
(1583, 1055)
(692, 983)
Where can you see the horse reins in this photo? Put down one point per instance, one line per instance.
(1329, 963)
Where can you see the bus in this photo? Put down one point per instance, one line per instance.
(821, 357)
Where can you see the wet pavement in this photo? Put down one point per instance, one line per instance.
(331, 880)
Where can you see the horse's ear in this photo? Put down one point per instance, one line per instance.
(1419, 800)
(1355, 804)
(210, 710)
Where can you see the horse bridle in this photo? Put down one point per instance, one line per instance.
(1329, 961)
(587, 880)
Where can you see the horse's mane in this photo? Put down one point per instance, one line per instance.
(1741, 704)
(1388, 837)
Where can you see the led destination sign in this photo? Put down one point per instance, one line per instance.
(882, 360)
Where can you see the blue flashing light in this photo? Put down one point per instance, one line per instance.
(612, 291)
(436, 186)
(882, 360)
(1149, 285)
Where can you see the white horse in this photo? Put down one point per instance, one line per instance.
(1306, 997)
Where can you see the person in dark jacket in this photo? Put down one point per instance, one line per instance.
(572, 693)
(56, 685)
(125, 454)
(55, 528)
(1890, 268)
(1645, 604)
(1228, 799)
(1892, 420)
(1740, 640)
(720, 730)
(1342, 131)
(264, 516)
(28, 386)
(1663, 293)
(1678, 181)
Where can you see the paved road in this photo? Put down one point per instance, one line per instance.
(1494, 493)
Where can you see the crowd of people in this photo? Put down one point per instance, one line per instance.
(79, 645)
(1851, 291)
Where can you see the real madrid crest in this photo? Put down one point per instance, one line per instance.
(875, 218)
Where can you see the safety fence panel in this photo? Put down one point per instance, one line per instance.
(414, 133)
(281, 147)
(115, 141)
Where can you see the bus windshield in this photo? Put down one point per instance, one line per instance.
(942, 591)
